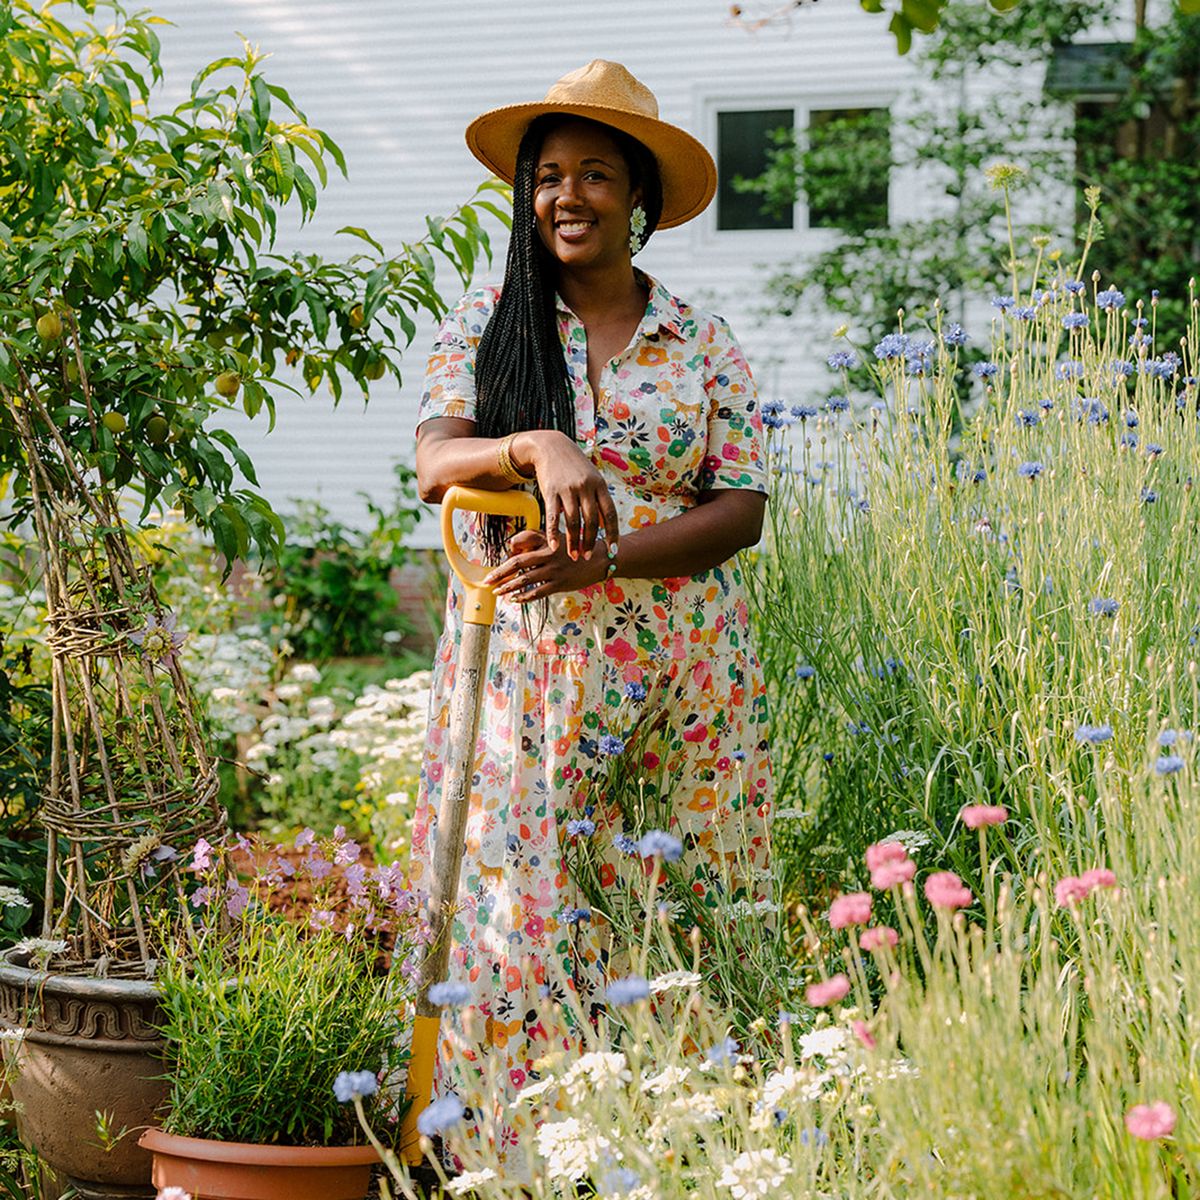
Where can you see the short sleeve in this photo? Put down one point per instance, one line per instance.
(735, 457)
(449, 389)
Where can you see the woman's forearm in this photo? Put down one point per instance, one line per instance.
(715, 530)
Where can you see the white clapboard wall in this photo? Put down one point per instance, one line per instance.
(396, 82)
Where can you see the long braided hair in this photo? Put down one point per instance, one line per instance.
(521, 379)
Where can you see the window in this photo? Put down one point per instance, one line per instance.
(836, 176)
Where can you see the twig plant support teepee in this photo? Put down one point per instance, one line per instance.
(131, 785)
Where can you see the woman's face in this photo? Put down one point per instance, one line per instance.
(582, 196)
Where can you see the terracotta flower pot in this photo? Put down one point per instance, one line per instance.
(88, 1045)
(243, 1171)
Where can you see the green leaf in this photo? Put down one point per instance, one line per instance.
(135, 235)
(216, 65)
(303, 144)
(204, 501)
(240, 457)
(362, 233)
(922, 14)
(1190, 8)
(281, 93)
(903, 31)
(872, 6)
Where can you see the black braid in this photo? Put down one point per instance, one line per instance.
(521, 379)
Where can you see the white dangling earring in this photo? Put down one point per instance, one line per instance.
(637, 226)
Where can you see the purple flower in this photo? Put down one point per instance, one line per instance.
(893, 345)
(629, 990)
(842, 360)
(202, 855)
(1103, 606)
(581, 828)
(1075, 320)
(1074, 286)
(351, 1084)
(159, 641)
(611, 745)
(1110, 299)
(441, 1115)
(1030, 470)
(1028, 418)
(837, 404)
(1168, 764)
(956, 335)
(984, 370)
(1153, 449)
(449, 994)
(658, 844)
(625, 843)
(635, 691)
(1095, 734)
(238, 898)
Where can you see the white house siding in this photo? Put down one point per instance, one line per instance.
(396, 82)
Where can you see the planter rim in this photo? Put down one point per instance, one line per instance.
(159, 1141)
(84, 986)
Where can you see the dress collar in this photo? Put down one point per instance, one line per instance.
(663, 310)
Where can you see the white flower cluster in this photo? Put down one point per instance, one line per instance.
(233, 672)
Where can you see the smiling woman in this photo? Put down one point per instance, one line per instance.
(633, 417)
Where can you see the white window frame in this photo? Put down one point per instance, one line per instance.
(800, 237)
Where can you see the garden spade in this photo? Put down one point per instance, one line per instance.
(479, 611)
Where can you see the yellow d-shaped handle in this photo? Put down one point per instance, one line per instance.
(480, 606)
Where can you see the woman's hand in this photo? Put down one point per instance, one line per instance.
(573, 491)
(538, 568)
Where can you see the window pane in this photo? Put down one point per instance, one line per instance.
(743, 142)
(846, 167)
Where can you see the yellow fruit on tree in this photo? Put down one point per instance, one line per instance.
(375, 369)
(49, 327)
(228, 383)
(115, 422)
(357, 316)
(157, 430)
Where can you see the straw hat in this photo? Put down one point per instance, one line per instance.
(606, 92)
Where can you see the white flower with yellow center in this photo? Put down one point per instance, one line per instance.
(754, 1174)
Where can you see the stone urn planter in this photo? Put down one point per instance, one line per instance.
(88, 1045)
(243, 1171)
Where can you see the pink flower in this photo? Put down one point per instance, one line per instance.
(305, 837)
(201, 853)
(976, 815)
(1073, 888)
(1151, 1121)
(828, 991)
(851, 909)
(877, 937)
(944, 889)
(891, 874)
(863, 1034)
(237, 899)
(885, 852)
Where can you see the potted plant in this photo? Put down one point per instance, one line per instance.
(264, 1007)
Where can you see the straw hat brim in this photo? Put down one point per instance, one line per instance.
(689, 175)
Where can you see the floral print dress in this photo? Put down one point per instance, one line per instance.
(676, 415)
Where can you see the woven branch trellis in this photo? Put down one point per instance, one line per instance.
(132, 786)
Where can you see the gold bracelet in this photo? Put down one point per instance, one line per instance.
(505, 462)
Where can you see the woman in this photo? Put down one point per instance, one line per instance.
(634, 415)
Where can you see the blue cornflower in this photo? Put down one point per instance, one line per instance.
(1141, 323)
(893, 345)
(979, 475)
(1046, 403)
(1069, 368)
(1122, 368)
(774, 415)
(1164, 367)
(803, 411)
(629, 990)
(659, 844)
(956, 335)
(1132, 421)
(788, 1018)
(1129, 441)
(984, 370)
(738, 756)
(1074, 286)
(618, 1182)
(815, 1136)
(857, 727)
(1110, 299)
(1023, 312)
(1140, 340)
(1075, 320)
(1003, 303)
(350, 1084)
(842, 360)
(1030, 470)
(1149, 496)
(1093, 733)
(625, 843)
(804, 671)
(573, 916)
(1153, 449)
(449, 994)
(581, 828)
(1094, 410)
(1168, 737)
(1028, 418)
(1104, 606)
(724, 1053)
(635, 691)
(1168, 764)
(863, 504)
(837, 404)
(611, 745)
(441, 1115)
